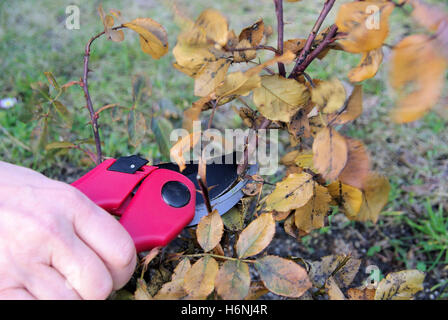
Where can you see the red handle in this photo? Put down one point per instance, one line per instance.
(147, 217)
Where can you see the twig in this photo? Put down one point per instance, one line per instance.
(218, 257)
(329, 38)
(85, 87)
(242, 167)
(260, 47)
(312, 36)
(210, 120)
(205, 195)
(280, 29)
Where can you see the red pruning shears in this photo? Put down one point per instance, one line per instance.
(156, 202)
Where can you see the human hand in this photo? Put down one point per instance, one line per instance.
(55, 243)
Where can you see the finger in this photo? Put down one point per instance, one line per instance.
(84, 271)
(46, 283)
(16, 294)
(107, 237)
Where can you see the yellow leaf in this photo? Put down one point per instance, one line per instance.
(402, 285)
(375, 196)
(312, 215)
(283, 277)
(233, 280)
(289, 158)
(366, 25)
(353, 109)
(246, 55)
(329, 95)
(294, 45)
(279, 98)
(199, 280)
(349, 197)
(368, 67)
(330, 153)
(256, 236)
(305, 160)
(417, 73)
(209, 230)
(183, 146)
(291, 193)
(174, 289)
(210, 77)
(214, 25)
(142, 293)
(153, 37)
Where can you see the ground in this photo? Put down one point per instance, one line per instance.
(33, 39)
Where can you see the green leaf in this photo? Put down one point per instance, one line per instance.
(63, 113)
(141, 89)
(52, 80)
(136, 123)
(60, 145)
(162, 129)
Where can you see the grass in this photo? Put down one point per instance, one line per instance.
(33, 39)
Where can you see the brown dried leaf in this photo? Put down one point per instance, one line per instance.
(330, 153)
(209, 231)
(233, 280)
(368, 67)
(256, 236)
(174, 289)
(417, 73)
(142, 293)
(357, 168)
(291, 193)
(402, 285)
(375, 196)
(283, 277)
(353, 109)
(361, 294)
(333, 290)
(341, 268)
(294, 45)
(253, 34)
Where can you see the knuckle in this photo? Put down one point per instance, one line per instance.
(103, 290)
(127, 257)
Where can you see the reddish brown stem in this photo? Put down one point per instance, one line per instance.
(312, 36)
(280, 29)
(242, 167)
(329, 38)
(85, 87)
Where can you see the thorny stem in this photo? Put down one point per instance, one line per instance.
(85, 87)
(205, 195)
(280, 28)
(312, 36)
(218, 257)
(260, 47)
(329, 38)
(242, 167)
